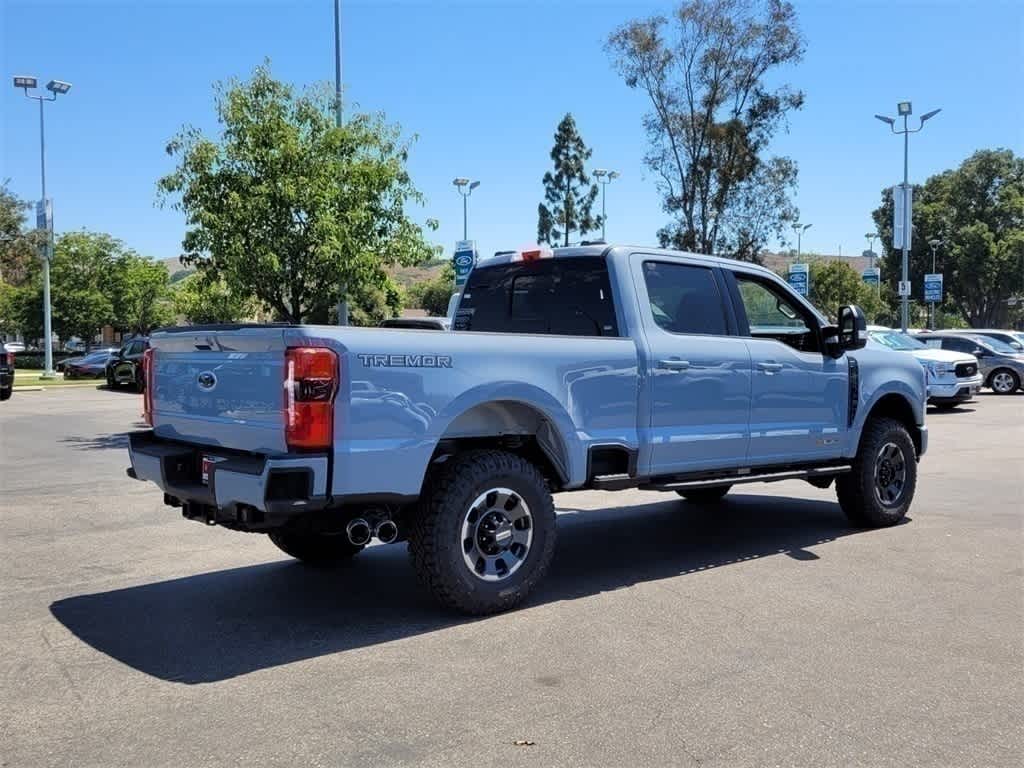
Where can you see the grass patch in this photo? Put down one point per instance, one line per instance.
(35, 379)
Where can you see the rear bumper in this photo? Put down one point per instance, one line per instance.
(244, 490)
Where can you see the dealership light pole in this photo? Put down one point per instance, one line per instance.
(800, 229)
(935, 244)
(604, 178)
(342, 304)
(904, 109)
(44, 211)
(465, 188)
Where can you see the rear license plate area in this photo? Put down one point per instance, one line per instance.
(206, 467)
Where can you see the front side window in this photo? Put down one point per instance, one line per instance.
(685, 298)
(771, 314)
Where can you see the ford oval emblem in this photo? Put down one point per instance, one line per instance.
(206, 380)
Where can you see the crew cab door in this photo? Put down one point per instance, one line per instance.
(799, 396)
(697, 393)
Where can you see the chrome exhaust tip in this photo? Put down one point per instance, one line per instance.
(358, 532)
(386, 531)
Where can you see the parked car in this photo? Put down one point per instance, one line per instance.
(1002, 369)
(1013, 338)
(423, 323)
(91, 366)
(6, 373)
(953, 377)
(63, 363)
(592, 367)
(125, 367)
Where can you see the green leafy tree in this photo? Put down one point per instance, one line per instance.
(140, 293)
(200, 300)
(371, 305)
(977, 211)
(82, 276)
(835, 283)
(711, 71)
(19, 247)
(568, 191)
(434, 295)
(288, 208)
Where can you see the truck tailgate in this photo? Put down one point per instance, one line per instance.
(222, 388)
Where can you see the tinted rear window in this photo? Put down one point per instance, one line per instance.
(571, 297)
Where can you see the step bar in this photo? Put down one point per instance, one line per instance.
(619, 482)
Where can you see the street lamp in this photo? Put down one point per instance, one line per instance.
(800, 229)
(934, 244)
(904, 109)
(55, 87)
(465, 188)
(604, 178)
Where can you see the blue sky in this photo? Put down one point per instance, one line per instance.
(483, 85)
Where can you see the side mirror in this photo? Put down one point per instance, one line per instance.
(979, 352)
(853, 327)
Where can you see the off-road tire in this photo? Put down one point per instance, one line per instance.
(1014, 380)
(711, 495)
(436, 540)
(856, 489)
(6, 392)
(315, 549)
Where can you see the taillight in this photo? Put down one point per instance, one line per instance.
(147, 378)
(311, 381)
(10, 359)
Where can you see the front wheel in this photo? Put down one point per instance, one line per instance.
(484, 535)
(705, 495)
(315, 548)
(1004, 382)
(879, 489)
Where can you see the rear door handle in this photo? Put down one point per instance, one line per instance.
(674, 365)
(770, 367)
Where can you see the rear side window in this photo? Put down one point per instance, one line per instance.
(685, 298)
(569, 297)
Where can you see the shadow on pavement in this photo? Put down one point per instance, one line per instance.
(218, 625)
(100, 442)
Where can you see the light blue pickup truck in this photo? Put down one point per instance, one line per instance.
(603, 367)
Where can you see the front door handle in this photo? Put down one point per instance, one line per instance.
(770, 367)
(674, 365)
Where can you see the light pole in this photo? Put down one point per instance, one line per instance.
(904, 109)
(465, 188)
(604, 178)
(935, 244)
(55, 87)
(342, 303)
(871, 237)
(800, 229)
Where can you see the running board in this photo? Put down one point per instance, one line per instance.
(767, 477)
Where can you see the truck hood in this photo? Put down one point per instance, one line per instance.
(942, 356)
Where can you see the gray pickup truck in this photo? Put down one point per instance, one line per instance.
(592, 367)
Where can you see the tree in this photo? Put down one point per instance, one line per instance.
(434, 295)
(835, 283)
(371, 305)
(288, 208)
(709, 73)
(570, 195)
(201, 300)
(977, 210)
(139, 291)
(19, 247)
(81, 277)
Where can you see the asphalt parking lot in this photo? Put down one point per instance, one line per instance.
(766, 632)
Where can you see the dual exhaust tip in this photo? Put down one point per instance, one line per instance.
(360, 532)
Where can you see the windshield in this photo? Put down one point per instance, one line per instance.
(94, 357)
(995, 344)
(897, 340)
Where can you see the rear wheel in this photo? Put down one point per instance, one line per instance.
(705, 495)
(879, 489)
(485, 533)
(6, 392)
(1004, 381)
(315, 548)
